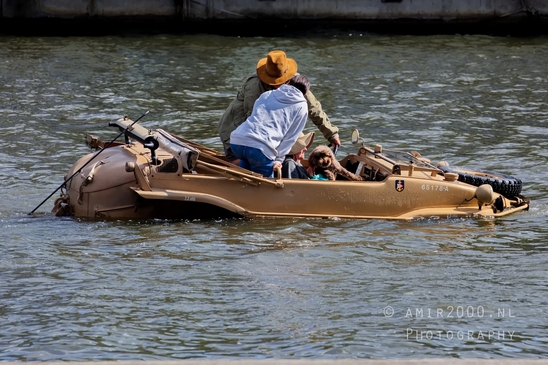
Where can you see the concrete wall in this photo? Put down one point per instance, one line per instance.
(363, 9)
(252, 16)
(84, 8)
(446, 10)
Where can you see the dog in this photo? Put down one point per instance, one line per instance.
(324, 162)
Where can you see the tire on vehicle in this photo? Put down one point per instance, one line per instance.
(505, 185)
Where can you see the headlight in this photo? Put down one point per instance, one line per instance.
(484, 194)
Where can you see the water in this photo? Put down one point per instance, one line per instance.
(76, 290)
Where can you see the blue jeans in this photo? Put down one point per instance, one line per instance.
(253, 159)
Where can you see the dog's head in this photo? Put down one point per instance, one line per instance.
(321, 156)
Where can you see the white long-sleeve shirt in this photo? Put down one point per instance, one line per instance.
(278, 118)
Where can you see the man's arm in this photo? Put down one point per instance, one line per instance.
(321, 120)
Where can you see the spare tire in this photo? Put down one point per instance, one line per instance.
(503, 184)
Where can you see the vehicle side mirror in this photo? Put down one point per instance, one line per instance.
(356, 137)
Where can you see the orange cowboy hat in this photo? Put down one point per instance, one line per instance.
(276, 68)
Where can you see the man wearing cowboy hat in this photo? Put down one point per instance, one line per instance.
(292, 167)
(272, 71)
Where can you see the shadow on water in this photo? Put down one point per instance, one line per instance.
(531, 25)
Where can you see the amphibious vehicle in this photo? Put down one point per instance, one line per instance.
(155, 174)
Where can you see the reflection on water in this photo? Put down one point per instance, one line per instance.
(75, 290)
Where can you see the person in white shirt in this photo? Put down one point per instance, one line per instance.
(278, 118)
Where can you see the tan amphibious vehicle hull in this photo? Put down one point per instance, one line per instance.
(158, 175)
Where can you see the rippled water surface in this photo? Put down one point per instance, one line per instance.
(278, 288)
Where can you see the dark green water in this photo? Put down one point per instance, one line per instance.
(73, 290)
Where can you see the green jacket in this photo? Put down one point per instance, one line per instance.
(241, 107)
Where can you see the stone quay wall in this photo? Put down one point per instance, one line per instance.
(399, 13)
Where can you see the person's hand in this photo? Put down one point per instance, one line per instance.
(277, 169)
(335, 145)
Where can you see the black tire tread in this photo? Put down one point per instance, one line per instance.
(505, 185)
